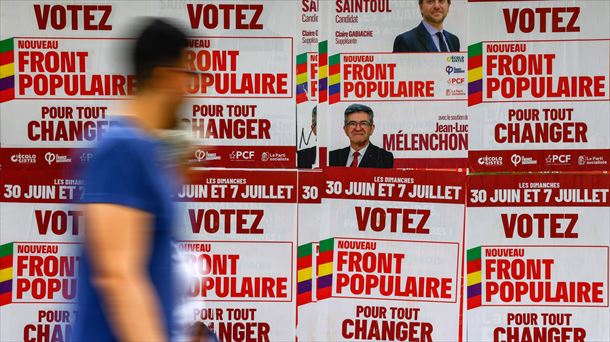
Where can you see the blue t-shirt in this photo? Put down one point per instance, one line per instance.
(127, 169)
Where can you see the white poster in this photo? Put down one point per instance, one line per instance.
(537, 257)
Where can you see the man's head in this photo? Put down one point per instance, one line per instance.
(314, 120)
(358, 124)
(160, 66)
(434, 12)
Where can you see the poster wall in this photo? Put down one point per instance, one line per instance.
(334, 252)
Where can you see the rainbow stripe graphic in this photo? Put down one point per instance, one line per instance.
(302, 78)
(7, 70)
(473, 269)
(334, 88)
(475, 74)
(323, 71)
(304, 273)
(6, 274)
(325, 269)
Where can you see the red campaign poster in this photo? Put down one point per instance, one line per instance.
(416, 95)
(237, 234)
(390, 267)
(311, 317)
(537, 257)
(306, 47)
(241, 109)
(538, 86)
(39, 254)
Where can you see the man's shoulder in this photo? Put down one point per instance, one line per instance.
(125, 144)
(126, 135)
(379, 150)
(411, 34)
(338, 157)
(378, 157)
(306, 154)
(307, 150)
(339, 151)
(450, 34)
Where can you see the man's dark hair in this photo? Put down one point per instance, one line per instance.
(160, 44)
(356, 107)
(314, 115)
(422, 1)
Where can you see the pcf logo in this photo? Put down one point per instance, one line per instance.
(242, 155)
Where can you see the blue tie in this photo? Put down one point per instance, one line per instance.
(441, 42)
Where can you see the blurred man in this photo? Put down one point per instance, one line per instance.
(429, 35)
(307, 156)
(359, 126)
(126, 272)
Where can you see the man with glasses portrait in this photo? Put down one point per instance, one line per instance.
(359, 126)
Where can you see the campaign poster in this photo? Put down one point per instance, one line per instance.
(39, 254)
(63, 72)
(538, 86)
(62, 97)
(237, 234)
(306, 47)
(325, 16)
(241, 109)
(311, 316)
(414, 93)
(390, 268)
(537, 257)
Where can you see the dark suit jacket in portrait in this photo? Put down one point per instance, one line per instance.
(374, 157)
(419, 40)
(306, 158)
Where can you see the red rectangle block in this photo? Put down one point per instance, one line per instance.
(6, 262)
(323, 96)
(303, 262)
(302, 97)
(334, 69)
(322, 59)
(474, 302)
(474, 99)
(304, 298)
(323, 156)
(325, 292)
(475, 62)
(6, 298)
(7, 95)
(325, 257)
(473, 266)
(6, 57)
(335, 98)
(301, 68)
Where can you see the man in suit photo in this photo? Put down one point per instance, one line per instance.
(307, 156)
(358, 126)
(429, 35)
